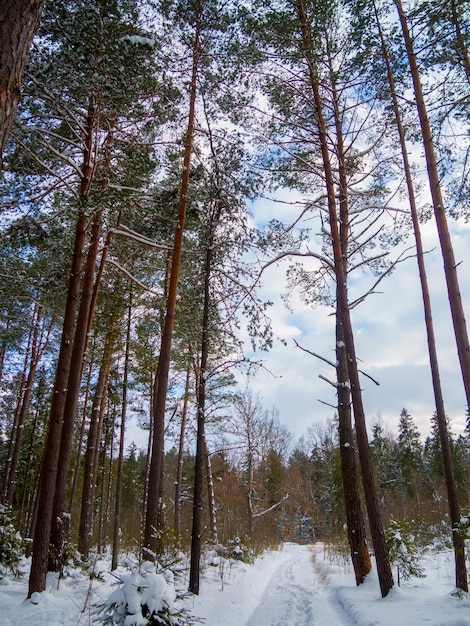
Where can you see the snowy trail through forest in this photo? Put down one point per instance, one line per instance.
(295, 596)
(285, 588)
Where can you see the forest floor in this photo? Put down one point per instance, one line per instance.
(293, 586)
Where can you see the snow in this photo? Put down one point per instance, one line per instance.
(294, 586)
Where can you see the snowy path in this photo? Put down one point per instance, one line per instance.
(294, 596)
(283, 588)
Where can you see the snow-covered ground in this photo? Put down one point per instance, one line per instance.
(295, 586)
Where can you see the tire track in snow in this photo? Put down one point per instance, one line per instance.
(293, 596)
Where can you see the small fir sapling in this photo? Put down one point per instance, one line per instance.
(145, 597)
(403, 551)
(11, 546)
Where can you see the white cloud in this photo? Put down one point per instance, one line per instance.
(390, 341)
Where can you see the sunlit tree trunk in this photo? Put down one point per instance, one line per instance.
(451, 486)
(450, 266)
(161, 384)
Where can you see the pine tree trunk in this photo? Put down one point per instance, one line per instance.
(358, 547)
(210, 495)
(125, 375)
(28, 390)
(454, 508)
(48, 473)
(357, 538)
(450, 266)
(58, 534)
(179, 467)
(81, 436)
(19, 20)
(155, 482)
(196, 536)
(91, 455)
(344, 320)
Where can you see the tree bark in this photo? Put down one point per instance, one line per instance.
(92, 450)
(344, 320)
(19, 20)
(125, 375)
(450, 266)
(196, 536)
(179, 467)
(58, 532)
(155, 482)
(48, 473)
(357, 537)
(451, 485)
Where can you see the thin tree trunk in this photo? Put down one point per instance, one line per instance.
(210, 494)
(179, 467)
(81, 437)
(18, 419)
(106, 484)
(196, 535)
(452, 497)
(357, 537)
(460, 40)
(92, 450)
(344, 320)
(155, 484)
(58, 532)
(450, 266)
(125, 375)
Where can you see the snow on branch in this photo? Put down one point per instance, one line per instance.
(131, 234)
(132, 278)
(271, 508)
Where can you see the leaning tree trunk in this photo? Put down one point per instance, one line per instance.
(155, 482)
(19, 20)
(450, 266)
(451, 485)
(344, 320)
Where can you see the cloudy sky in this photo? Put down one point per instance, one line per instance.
(390, 341)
